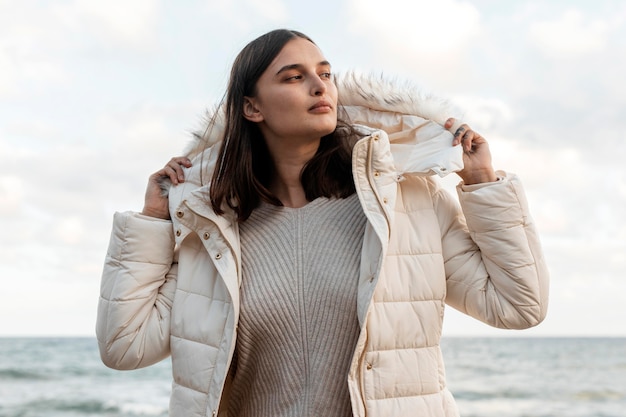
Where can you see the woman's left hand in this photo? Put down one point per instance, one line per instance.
(476, 155)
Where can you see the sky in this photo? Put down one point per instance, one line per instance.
(95, 96)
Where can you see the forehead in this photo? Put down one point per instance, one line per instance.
(297, 51)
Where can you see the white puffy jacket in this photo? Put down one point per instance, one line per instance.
(172, 287)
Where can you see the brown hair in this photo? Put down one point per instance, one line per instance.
(244, 167)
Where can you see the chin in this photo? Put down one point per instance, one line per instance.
(319, 128)
(328, 128)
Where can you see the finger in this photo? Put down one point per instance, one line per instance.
(165, 172)
(449, 123)
(174, 168)
(181, 160)
(157, 175)
(468, 141)
(172, 172)
(458, 135)
(471, 141)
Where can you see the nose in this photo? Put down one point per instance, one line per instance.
(318, 87)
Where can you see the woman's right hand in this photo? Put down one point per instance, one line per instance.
(156, 204)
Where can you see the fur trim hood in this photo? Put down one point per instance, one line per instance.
(381, 93)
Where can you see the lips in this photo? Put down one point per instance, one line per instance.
(321, 105)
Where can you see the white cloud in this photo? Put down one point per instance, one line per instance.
(427, 38)
(572, 34)
(53, 297)
(69, 230)
(245, 16)
(273, 10)
(11, 194)
(36, 39)
(116, 23)
(28, 38)
(148, 130)
(484, 113)
(440, 27)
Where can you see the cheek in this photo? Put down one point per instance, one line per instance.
(332, 92)
(283, 103)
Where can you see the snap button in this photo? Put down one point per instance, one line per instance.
(376, 174)
(443, 169)
(369, 366)
(178, 232)
(375, 137)
(372, 278)
(206, 235)
(218, 256)
(180, 213)
(385, 200)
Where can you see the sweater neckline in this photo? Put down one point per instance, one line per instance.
(308, 206)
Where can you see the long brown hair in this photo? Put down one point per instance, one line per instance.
(244, 167)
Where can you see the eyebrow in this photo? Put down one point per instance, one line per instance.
(300, 66)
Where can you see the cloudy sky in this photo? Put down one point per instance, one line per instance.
(95, 96)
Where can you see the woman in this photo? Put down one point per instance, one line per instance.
(306, 262)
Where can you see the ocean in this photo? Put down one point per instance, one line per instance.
(489, 377)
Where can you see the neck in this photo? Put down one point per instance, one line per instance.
(288, 164)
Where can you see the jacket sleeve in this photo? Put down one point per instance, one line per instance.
(494, 264)
(137, 291)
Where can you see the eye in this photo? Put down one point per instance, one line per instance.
(326, 75)
(294, 77)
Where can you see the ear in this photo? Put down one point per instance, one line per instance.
(251, 111)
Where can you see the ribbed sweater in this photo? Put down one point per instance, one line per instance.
(298, 323)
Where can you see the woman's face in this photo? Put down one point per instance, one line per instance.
(295, 97)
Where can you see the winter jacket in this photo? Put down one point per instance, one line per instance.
(172, 287)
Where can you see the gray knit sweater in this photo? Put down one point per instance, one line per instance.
(298, 325)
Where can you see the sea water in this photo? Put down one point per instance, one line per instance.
(537, 377)
(489, 377)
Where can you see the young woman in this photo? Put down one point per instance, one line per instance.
(300, 262)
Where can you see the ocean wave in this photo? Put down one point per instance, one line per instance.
(143, 410)
(598, 395)
(60, 407)
(82, 407)
(21, 374)
(488, 395)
